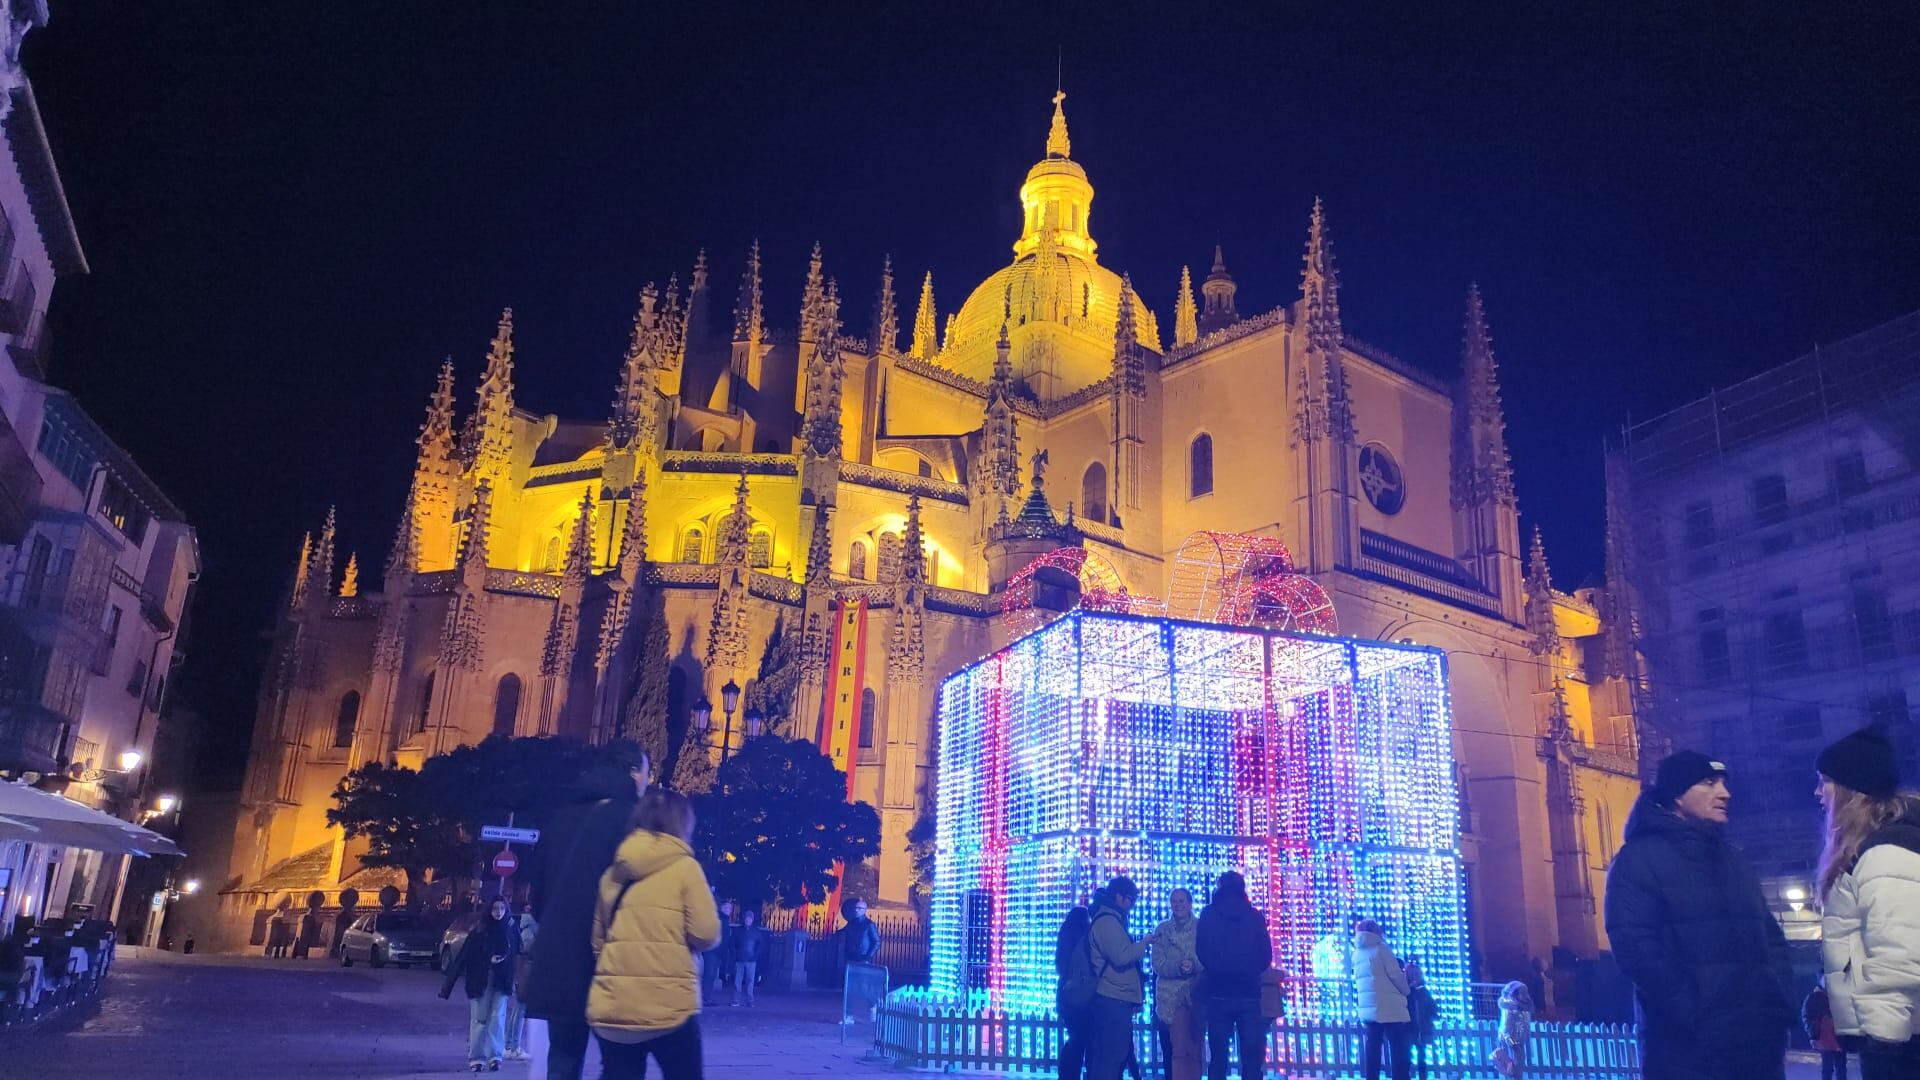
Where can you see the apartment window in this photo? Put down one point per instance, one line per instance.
(37, 561)
(1850, 474)
(1786, 643)
(1716, 659)
(137, 682)
(1093, 492)
(118, 506)
(1770, 499)
(506, 705)
(857, 561)
(346, 719)
(1200, 466)
(1699, 524)
(1873, 624)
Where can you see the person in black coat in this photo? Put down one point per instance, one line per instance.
(577, 846)
(484, 965)
(1235, 950)
(1691, 928)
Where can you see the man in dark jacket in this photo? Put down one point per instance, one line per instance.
(578, 846)
(1691, 928)
(1235, 950)
(860, 938)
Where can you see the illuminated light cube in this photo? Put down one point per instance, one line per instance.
(1321, 768)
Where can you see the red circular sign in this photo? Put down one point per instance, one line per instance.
(505, 863)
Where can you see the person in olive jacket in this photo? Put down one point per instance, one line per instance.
(1235, 950)
(1691, 929)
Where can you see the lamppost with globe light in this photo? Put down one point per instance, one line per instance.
(755, 720)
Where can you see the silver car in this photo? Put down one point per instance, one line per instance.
(389, 937)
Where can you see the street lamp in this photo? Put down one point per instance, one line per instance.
(166, 803)
(130, 760)
(190, 886)
(702, 715)
(729, 700)
(756, 722)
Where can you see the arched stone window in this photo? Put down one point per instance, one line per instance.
(1093, 492)
(1200, 466)
(891, 545)
(692, 544)
(506, 705)
(760, 548)
(553, 554)
(866, 719)
(346, 720)
(857, 561)
(426, 705)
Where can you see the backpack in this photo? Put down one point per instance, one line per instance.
(1080, 980)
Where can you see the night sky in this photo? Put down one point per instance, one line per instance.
(293, 212)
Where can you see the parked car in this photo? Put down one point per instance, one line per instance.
(388, 937)
(450, 942)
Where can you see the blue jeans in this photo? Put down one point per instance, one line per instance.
(1239, 1020)
(516, 1022)
(1110, 1040)
(485, 1021)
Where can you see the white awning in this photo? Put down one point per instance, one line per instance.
(34, 815)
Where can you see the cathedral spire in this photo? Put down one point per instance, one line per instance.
(1186, 326)
(1319, 283)
(820, 548)
(924, 343)
(490, 428)
(633, 537)
(749, 316)
(473, 550)
(436, 435)
(1129, 365)
(580, 545)
(1057, 144)
(1217, 294)
(1540, 626)
(1326, 409)
(997, 473)
(731, 550)
(302, 572)
(632, 421)
(825, 379)
(320, 571)
(886, 314)
(401, 557)
(906, 647)
(811, 296)
(350, 581)
(1482, 469)
(563, 628)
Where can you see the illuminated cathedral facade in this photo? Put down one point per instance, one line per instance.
(754, 481)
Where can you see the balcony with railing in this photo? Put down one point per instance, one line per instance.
(1430, 572)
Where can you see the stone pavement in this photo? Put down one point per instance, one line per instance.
(241, 1018)
(250, 1018)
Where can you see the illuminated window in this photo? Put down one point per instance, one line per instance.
(1200, 467)
(760, 548)
(1093, 492)
(506, 705)
(118, 506)
(857, 561)
(692, 544)
(346, 719)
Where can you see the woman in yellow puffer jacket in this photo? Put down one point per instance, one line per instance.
(655, 917)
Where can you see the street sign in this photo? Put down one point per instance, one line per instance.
(510, 834)
(505, 863)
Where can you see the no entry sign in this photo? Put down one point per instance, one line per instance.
(505, 863)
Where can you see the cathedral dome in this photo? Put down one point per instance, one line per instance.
(1059, 304)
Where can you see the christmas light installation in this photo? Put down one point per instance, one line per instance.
(1170, 750)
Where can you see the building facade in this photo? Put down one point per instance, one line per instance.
(1770, 533)
(751, 476)
(96, 564)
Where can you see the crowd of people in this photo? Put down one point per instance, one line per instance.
(1691, 928)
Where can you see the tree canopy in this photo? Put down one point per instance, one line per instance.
(777, 821)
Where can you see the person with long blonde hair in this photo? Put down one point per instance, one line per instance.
(1869, 889)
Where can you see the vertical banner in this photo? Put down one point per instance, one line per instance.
(846, 677)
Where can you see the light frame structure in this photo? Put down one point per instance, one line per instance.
(1321, 768)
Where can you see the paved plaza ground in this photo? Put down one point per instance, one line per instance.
(242, 1018)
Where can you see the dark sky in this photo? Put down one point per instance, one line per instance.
(294, 211)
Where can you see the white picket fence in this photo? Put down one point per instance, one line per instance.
(923, 1036)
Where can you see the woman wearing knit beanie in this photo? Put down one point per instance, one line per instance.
(1869, 889)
